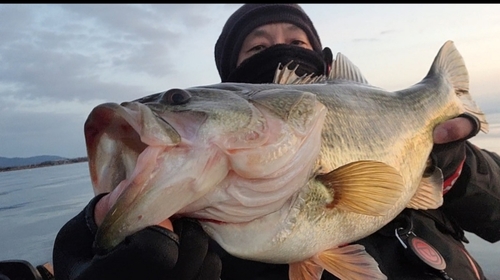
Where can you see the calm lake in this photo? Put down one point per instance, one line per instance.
(35, 204)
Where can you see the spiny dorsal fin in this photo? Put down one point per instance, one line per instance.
(286, 76)
(450, 64)
(344, 69)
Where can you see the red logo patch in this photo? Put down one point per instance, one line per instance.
(426, 253)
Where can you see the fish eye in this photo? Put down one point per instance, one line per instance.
(176, 96)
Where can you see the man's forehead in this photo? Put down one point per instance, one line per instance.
(264, 29)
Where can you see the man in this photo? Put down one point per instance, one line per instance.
(258, 37)
(254, 40)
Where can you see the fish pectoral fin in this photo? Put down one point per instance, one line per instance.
(305, 270)
(429, 194)
(364, 187)
(349, 262)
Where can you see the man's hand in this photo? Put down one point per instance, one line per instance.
(454, 129)
(448, 152)
(166, 252)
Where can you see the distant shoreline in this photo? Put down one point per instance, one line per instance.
(45, 163)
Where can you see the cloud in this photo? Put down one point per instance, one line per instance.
(82, 51)
(59, 61)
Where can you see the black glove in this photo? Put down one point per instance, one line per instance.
(152, 253)
(449, 157)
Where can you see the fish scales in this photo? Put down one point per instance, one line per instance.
(290, 172)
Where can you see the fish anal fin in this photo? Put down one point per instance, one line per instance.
(429, 194)
(305, 270)
(349, 262)
(364, 187)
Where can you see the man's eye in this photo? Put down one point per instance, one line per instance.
(257, 48)
(297, 43)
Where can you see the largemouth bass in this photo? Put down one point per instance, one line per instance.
(291, 172)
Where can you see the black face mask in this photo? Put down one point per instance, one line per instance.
(261, 67)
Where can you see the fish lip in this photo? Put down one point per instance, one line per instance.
(115, 136)
(147, 122)
(132, 130)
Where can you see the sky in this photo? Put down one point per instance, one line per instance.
(57, 61)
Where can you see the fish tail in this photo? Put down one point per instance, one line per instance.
(450, 64)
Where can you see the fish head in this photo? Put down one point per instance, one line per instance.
(116, 134)
(165, 152)
(144, 150)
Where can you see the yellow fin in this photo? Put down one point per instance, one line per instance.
(365, 187)
(429, 194)
(306, 270)
(349, 262)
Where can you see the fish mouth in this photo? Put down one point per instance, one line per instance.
(116, 135)
(128, 149)
(142, 159)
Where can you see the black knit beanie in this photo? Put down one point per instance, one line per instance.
(247, 18)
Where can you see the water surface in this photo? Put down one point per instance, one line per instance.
(35, 204)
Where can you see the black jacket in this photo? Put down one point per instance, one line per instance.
(473, 204)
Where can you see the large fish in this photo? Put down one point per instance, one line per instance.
(279, 173)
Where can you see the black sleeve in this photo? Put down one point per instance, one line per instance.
(474, 200)
(151, 253)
